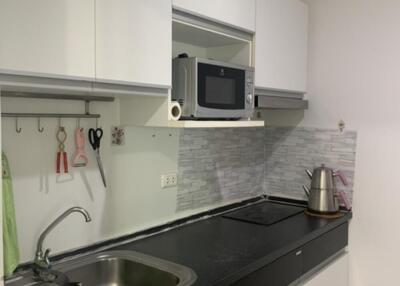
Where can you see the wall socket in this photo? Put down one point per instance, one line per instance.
(169, 180)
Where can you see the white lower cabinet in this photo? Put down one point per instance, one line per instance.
(52, 38)
(333, 273)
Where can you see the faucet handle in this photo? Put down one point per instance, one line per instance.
(46, 257)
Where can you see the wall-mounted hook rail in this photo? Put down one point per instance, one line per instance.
(49, 115)
(86, 98)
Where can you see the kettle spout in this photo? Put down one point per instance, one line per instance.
(306, 190)
(309, 173)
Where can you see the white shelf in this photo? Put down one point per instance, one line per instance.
(204, 42)
(198, 36)
(215, 124)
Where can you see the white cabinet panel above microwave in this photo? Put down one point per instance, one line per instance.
(47, 37)
(238, 13)
(281, 45)
(133, 41)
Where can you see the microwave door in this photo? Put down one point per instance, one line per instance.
(220, 91)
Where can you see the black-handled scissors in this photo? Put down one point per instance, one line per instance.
(94, 139)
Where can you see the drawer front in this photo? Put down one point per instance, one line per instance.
(321, 248)
(281, 272)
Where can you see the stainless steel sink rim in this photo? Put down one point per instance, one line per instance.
(186, 275)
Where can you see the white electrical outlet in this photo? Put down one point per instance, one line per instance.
(169, 180)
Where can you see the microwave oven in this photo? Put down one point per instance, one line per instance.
(208, 89)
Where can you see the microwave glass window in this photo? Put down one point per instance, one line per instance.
(220, 87)
(220, 90)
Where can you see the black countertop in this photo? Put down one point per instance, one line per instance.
(222, 250)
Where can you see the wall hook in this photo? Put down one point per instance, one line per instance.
(341, 125)
(40, 129)
(17, 128)
(97, 123)
(59, 122)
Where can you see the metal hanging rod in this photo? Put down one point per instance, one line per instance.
(49, 115)
(86, 98)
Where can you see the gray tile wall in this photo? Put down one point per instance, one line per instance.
(289, 151)
(219, 165)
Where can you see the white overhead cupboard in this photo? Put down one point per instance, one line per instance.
(281, 45)
(48, 38)
(122, 42)
(236, 13)
(133, 41)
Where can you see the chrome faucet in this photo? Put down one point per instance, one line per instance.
(42, 259)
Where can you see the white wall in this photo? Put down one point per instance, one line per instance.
(133, 201)
(354, 75)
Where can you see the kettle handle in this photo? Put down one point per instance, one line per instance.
(343, 198)
(338, 173)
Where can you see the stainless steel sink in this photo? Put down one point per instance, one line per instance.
(121, 268)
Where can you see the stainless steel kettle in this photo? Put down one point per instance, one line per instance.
(323, 197)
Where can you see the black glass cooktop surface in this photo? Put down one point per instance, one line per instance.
(266, 213)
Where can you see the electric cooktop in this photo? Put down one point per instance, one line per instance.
(266, 213)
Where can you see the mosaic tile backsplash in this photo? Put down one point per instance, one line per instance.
(219, 165)
(289, 151)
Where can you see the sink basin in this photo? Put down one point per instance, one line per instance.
(123, 268)
(120, 268)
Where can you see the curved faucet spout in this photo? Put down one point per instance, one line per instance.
(41, 259)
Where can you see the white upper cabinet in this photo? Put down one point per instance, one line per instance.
(238, 13)
(281, 45)
(47, 37)
(133, 41)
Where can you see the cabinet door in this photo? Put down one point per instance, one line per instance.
(238, 13)
(134, 41)
(47, 37)
(333, 274)
(323, 247)
(281, 272)
(281, 45)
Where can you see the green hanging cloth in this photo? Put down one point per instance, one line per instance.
(10, 240)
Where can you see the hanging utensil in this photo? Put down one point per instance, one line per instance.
(80, 149)
(94, 140)
(61, 138)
